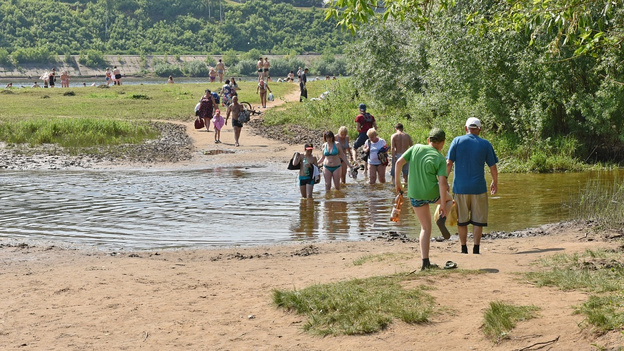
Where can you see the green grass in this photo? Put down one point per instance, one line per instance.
(75, 132)
(600, 272)
(126, 102)
(500, 318)
(104, 116)
(382, 257)
(605, 207)
(358, 306)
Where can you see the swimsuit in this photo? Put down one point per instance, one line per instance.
(332, 169)
(334, 152)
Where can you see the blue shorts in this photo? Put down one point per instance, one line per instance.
(420, 203)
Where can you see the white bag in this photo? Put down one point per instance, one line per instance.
(270, 97)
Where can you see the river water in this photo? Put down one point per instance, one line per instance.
(240, 206)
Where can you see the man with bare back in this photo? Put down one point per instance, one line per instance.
(233, 110)
(260, 68)
(399, 143)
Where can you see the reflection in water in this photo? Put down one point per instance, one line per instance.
(307, 223)
(241, 206)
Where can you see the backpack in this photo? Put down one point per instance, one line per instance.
(368, 117)
(216, 97)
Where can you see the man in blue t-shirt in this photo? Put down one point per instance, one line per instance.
(469, 153)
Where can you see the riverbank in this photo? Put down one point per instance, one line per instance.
(129, 65)
(63, 296)
(71, 298)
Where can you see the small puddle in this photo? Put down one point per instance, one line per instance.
(216, 152)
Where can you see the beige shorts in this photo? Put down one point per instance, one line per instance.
(472, 209)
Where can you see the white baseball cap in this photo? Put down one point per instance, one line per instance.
(473, 122)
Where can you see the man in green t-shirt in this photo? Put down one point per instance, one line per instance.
(427, 184)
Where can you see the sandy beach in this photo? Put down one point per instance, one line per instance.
(63, 297)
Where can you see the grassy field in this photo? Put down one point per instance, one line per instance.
(129, 102)
(95, 116)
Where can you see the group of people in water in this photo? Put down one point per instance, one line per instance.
(421, 168)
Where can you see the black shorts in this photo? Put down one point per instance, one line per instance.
(236, 123)
(117, 76)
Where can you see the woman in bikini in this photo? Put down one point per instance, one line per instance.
(343, 139)
(333, 157)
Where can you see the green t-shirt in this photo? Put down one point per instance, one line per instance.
(425, 164)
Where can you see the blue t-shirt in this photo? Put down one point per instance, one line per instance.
(469, 153)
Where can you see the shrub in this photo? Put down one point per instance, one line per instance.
(195, 69)
(244, 68)
(163, 69)
(93, 58)
(31, 55)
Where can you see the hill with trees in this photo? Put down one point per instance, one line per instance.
(40, 30)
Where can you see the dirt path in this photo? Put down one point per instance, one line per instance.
(253, 149)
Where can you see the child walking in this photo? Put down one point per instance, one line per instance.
(217, 121)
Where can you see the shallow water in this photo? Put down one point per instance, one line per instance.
(239, 206)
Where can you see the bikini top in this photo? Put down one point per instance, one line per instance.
(334, 152)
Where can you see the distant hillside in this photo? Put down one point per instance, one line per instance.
(36, 30)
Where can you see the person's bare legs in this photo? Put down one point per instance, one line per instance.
(237, 132)
(372, 174)
(381, 171)
(303, 191)
(336, 177)
(424, 217)
(207, 124)
(343, 173)
(309, 189)
(327, 176)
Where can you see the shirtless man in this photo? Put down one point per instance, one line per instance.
(399, 143)
(117, 75)
(265, 68)
(220, 67)
(260, 68)
(234, 109)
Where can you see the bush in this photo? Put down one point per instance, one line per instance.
(32, 55)
(281, 67)
(163, 69)
(210, 61)
(230, 58)
(195, 69)
(244, 68)
(94, 58)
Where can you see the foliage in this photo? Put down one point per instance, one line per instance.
(605, 208)
(357, 306)
(244, 68)
(75, 132)
(93, 58)
(500, 318)
(5, 59)
(166, 69)
(552, 114)
(159, 26)
(29, 55)
(195, 69)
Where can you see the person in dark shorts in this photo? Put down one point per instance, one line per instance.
(303, 79)
(306, 171)
(233, 110)
(52, 78)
